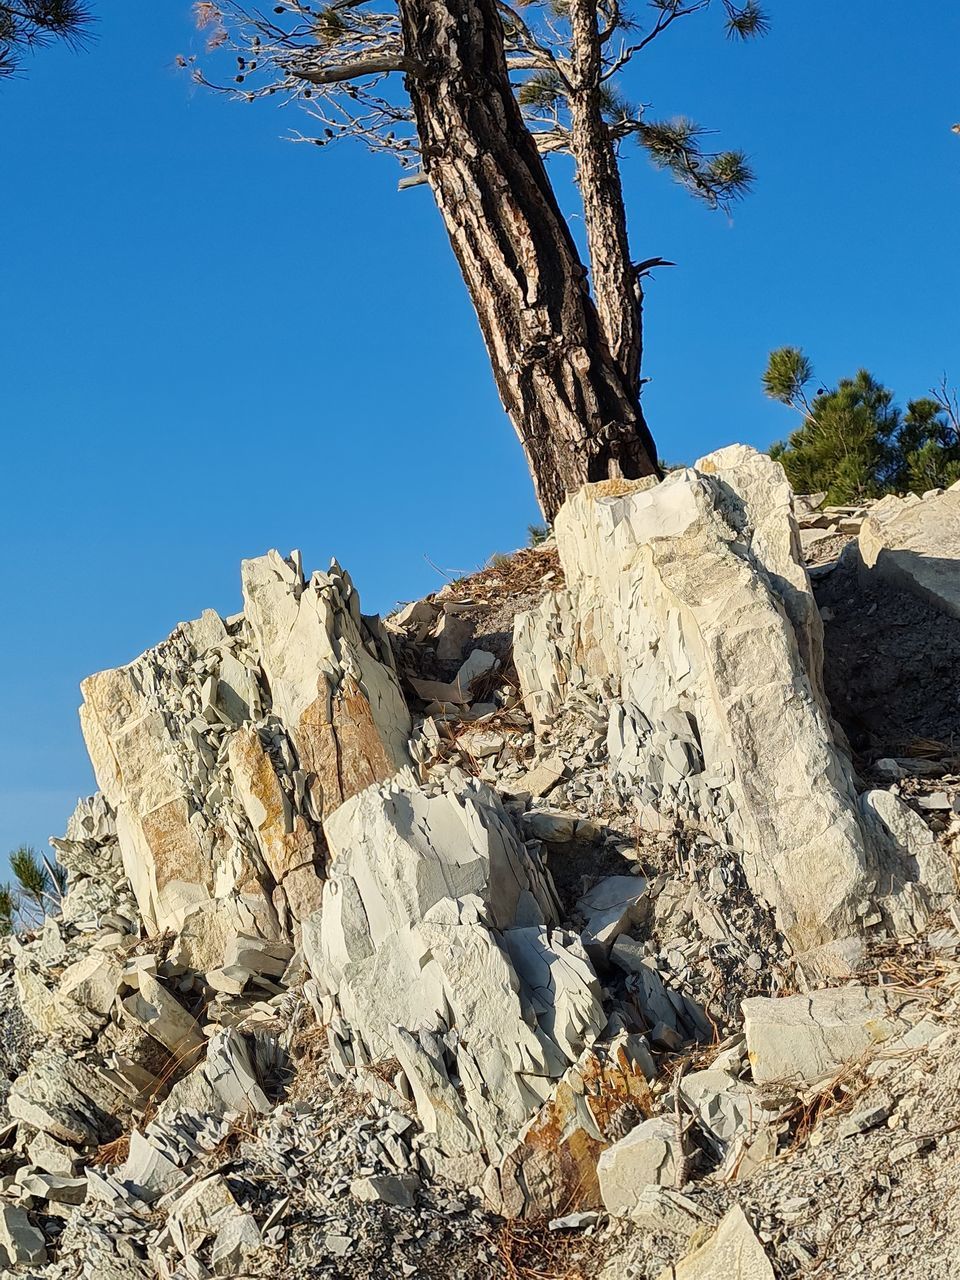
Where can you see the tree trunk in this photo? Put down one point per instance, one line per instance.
(604, 211)
(577, 415)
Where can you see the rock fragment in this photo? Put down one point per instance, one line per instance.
(20, 1241)
(652, 1154)
(807, 1036)
(733, 1252)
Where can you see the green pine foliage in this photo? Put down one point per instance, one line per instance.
(854, 441)
(8, 910)
(39, 885)
(34, 24)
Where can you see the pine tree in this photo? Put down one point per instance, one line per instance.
(854, 442)
(469, 96)
(40, 885)
(32, 24)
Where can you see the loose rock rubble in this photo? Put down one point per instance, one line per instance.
(549, 927)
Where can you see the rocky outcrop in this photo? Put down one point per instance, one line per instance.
(222, 750)
(437, 938)
(472, 959)
(914, 544)
(687, 606)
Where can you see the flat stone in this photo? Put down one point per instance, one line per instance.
(809, 1036)
(50, 1186)
(230, 1070)
(538, 781)
(666, 1209)
(733, 1252)
(393, 1189)
(864, 1120)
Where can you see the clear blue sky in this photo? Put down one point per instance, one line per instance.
(213, 342)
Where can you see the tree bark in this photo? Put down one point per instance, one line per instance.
(604, 211)
(576, 413)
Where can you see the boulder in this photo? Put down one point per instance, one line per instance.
(914, 545)
(435, 938)
(689, 600)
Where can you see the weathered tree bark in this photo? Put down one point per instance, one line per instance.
(604, 211)
(576, 413)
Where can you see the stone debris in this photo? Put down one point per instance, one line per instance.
(339, 983)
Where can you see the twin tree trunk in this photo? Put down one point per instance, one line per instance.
(567, 377)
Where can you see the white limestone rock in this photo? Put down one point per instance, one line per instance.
(731, 1115)
(689, 600)
(732, 1251)
(230, 1070)
(649, 1155)
(915, 546)
(51, 1156)
(222, 749)
(809, 1036)
(393, 1189)
(147, 1172)
(164, 1017)
(435, 939)
(331, 676)
(903, 838)
(611, 907)
(93, 981)
(63, 1097)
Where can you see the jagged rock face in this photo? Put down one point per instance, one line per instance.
(435, 937)
(222, 750)
(688, 601)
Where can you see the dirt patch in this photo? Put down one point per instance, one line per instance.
(891, 664)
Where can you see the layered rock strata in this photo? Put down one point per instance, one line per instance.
(688, 604)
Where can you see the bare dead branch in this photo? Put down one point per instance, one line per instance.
(373, 66)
